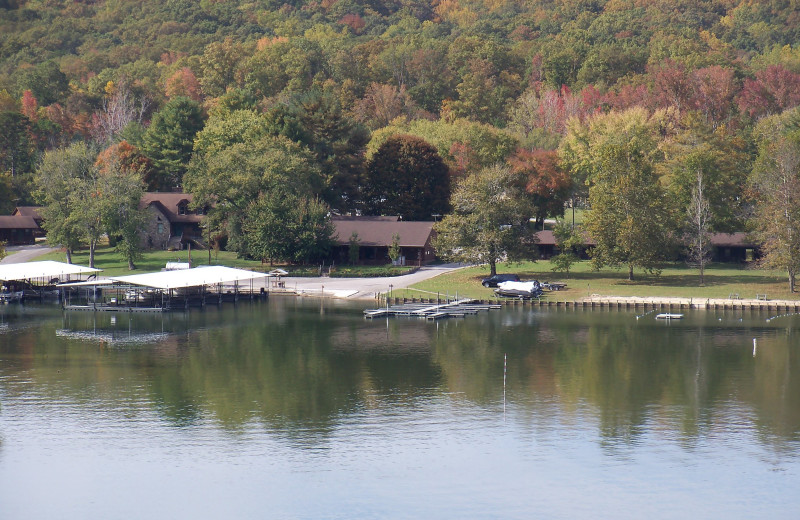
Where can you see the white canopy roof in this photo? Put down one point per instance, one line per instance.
(88, 283)
(195, 277)
(44, 269)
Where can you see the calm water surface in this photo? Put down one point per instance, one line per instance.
(301, 409)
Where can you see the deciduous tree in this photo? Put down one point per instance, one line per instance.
(406, 177)
(490, 220)
(771, 91)
(629, 216)
(121, 191)
(548, 185)
(241, 175)
(63, 183)
(120, 107)
(282, 226)
(775, 181)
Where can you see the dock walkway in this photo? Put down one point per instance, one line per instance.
(454, 309)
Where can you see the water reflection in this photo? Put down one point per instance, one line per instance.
(303, 368)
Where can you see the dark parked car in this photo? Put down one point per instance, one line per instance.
(492, 281)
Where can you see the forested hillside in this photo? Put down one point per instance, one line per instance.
(522, 66)
(185, 92)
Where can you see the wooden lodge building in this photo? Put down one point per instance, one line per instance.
(18, 230)
(33, 212)
(170, 223)
(375, 237)
(725, 247)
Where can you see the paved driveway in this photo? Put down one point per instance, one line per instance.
(364, 287)
(20, 254)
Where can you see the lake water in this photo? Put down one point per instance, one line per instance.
(302, 409)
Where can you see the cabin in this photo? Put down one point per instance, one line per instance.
(18, 230)
(733, 247)
(725, 247)
(547, 248)
(31, 211)
(375, 237)
(170, 223)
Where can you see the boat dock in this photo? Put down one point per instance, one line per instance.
(435, 311)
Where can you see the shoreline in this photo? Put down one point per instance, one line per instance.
(630, 302)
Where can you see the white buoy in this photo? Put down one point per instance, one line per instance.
(755, 347)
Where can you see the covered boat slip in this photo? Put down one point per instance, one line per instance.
(165, 290)
(38, 279)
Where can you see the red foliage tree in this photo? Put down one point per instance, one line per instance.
(547, 183)
(354, 21)
(714, 89)
(184, 83)
(772, 91)
(627, 97)
(465, 159)
(672, 85)
(126, 158)
(30, 107)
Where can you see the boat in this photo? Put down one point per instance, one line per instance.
(531, 289)
(668, 316)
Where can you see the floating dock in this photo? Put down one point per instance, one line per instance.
(454, 309)
(668, 316)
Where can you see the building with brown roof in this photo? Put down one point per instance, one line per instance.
(34, 213)
(29, 211)
(375, 237)
(171, 224)
(18, 230)
(725, 247)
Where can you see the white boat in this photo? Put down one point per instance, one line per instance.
(530, 289)
(668, 316)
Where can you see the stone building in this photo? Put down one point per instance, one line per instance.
(171, 224)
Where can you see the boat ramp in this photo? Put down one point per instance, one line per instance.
(435, 311)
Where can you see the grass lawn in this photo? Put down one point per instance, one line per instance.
(112, 263)
(676, 280)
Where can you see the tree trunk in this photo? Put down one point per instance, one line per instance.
(131, 267)
(92, 245)
(492, 268)
(791, 280)
(630, 272)
(69, 255)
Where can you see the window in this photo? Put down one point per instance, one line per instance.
(160, 228)
(182, 208)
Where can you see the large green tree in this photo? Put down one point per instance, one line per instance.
(718, 158)
(490, 219)
(169, 140)
(224, 129)
(775, 181)
(16, 146)
(705, 171)
(629, 218)
(284, 226)
(121, 191)
(406, 177)
(65, 182)
(317, 120)
(242, 180)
